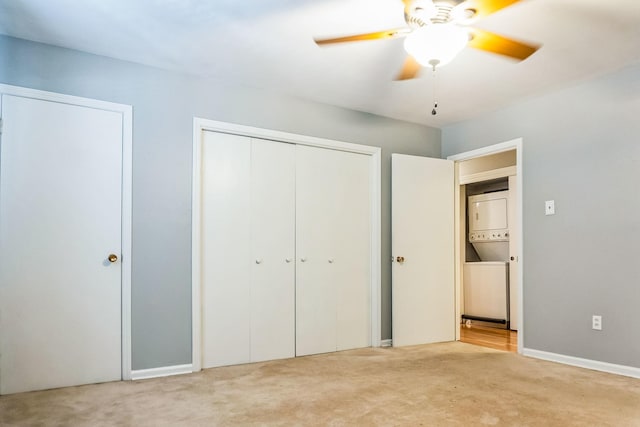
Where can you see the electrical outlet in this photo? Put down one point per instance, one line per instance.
(596, 322)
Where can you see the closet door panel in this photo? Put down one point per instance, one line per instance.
(352, 251)
(333, 236)
(226, 254)
(273, 250)
(315, 219)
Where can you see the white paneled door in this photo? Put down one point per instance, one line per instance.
(60, 220)
(333, 250)
(423, 309)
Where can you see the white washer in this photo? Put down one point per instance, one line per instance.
(486, 291)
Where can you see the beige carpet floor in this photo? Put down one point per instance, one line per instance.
(450, 384)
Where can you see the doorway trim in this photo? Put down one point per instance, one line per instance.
(481, 152)
(126, 111)
(199, 126)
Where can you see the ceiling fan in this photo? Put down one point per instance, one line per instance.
(437, 30)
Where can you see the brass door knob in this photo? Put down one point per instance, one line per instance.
(400, 259)
(112, 257)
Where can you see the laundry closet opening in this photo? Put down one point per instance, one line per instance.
(488, 250)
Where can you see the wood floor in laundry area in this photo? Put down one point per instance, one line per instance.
(499, 339)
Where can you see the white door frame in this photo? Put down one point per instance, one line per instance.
(200, 125)
(484, 151)
(127, 138)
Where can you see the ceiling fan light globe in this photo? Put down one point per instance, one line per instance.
(436, 43)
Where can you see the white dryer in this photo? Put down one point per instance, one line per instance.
(489, 226)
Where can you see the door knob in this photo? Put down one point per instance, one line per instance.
(112, 257)
(512, 258)
(330, 260)
(400, 259)
(303, 259)
(259, 261)
(287, 260)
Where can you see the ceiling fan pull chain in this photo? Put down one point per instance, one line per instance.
(435, 102)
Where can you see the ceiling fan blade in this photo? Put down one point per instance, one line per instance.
(491, 42)
(410, 69)
(388, 34)
(487, 7)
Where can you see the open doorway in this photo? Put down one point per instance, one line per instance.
(488, 246)
(487, 311)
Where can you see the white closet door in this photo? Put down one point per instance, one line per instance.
(273, 248)
(422, 224)
(226, 250)
(332, 243)
(315, 283)
(60, 218)
(352, 246)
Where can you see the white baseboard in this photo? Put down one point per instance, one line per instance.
(163, 371)
(386, 343)
(627, 371)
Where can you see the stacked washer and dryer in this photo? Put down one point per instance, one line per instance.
(486, 282)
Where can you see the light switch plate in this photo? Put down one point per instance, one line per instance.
(550, 207)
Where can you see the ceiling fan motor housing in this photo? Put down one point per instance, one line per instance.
(420, 13)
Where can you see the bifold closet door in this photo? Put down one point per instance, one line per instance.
(273, 223)
(248, 226)
(226, 249)
(333, 250)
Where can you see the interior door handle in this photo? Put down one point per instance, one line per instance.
(400, 259)
(112, 258)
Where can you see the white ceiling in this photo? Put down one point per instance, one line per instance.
(269, 44)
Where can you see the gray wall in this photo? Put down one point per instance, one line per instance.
(164, 105)
(581, 148)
